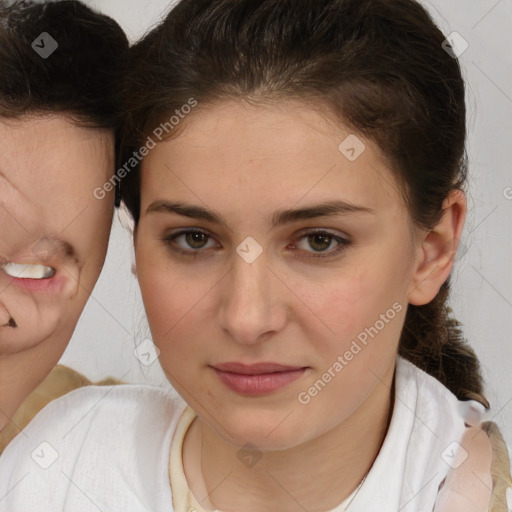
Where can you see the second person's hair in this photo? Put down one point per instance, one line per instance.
(81, 78)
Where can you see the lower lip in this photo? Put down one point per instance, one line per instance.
(49, 285)
(258, 384)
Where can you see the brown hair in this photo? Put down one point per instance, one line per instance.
(379, 65)
(80, 78)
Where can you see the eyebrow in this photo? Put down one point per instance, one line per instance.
(280, 217)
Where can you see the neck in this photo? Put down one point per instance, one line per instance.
(326, 470)
(11, 395)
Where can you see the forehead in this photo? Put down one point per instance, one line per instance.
(50, 167)
(284, 153)
(38, 147)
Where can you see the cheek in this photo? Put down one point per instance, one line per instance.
(363, 305)
(366, 313)
(176, 317)
(90, 232)
(173, 300)
(158, 297)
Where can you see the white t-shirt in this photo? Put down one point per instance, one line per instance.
(108, 448)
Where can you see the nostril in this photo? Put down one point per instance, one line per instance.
(11, 323)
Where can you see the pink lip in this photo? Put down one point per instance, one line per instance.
(51, 285)
(257, 379)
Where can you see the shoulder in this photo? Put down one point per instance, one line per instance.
(410, 372)
(68, 439)
(83, 407)
(436, 406)
(467, 448)
(468, 486)
(435, 396)
(96, 408)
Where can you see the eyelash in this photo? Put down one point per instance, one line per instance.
(169, 241)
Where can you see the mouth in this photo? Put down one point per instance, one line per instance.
(257, 379)
(33, 277)
(28, 271)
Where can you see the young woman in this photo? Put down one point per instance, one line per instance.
(59, 113)
(297, 211)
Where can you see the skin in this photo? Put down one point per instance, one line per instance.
(246, 162)
(469, 487)
(49, 169)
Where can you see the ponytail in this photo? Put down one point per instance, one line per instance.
(433, 341)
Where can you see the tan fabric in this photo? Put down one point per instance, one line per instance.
(60, 380)
(500, 468)
(182, 498)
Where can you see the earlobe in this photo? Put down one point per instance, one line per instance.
(436, 255)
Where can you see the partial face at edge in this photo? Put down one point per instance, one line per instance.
(212, 298)
(54, 232)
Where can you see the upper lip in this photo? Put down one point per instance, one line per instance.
(255, 369)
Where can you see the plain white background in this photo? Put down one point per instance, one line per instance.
(113, 322)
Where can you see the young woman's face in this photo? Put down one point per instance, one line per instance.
(233, 275)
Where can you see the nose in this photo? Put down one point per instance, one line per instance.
(253, 304)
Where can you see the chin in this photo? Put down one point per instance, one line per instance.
(267, 430)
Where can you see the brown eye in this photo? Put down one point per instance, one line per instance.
(320, 242)
(188, 242)
(196, 239)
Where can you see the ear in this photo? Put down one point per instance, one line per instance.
(437, 249)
